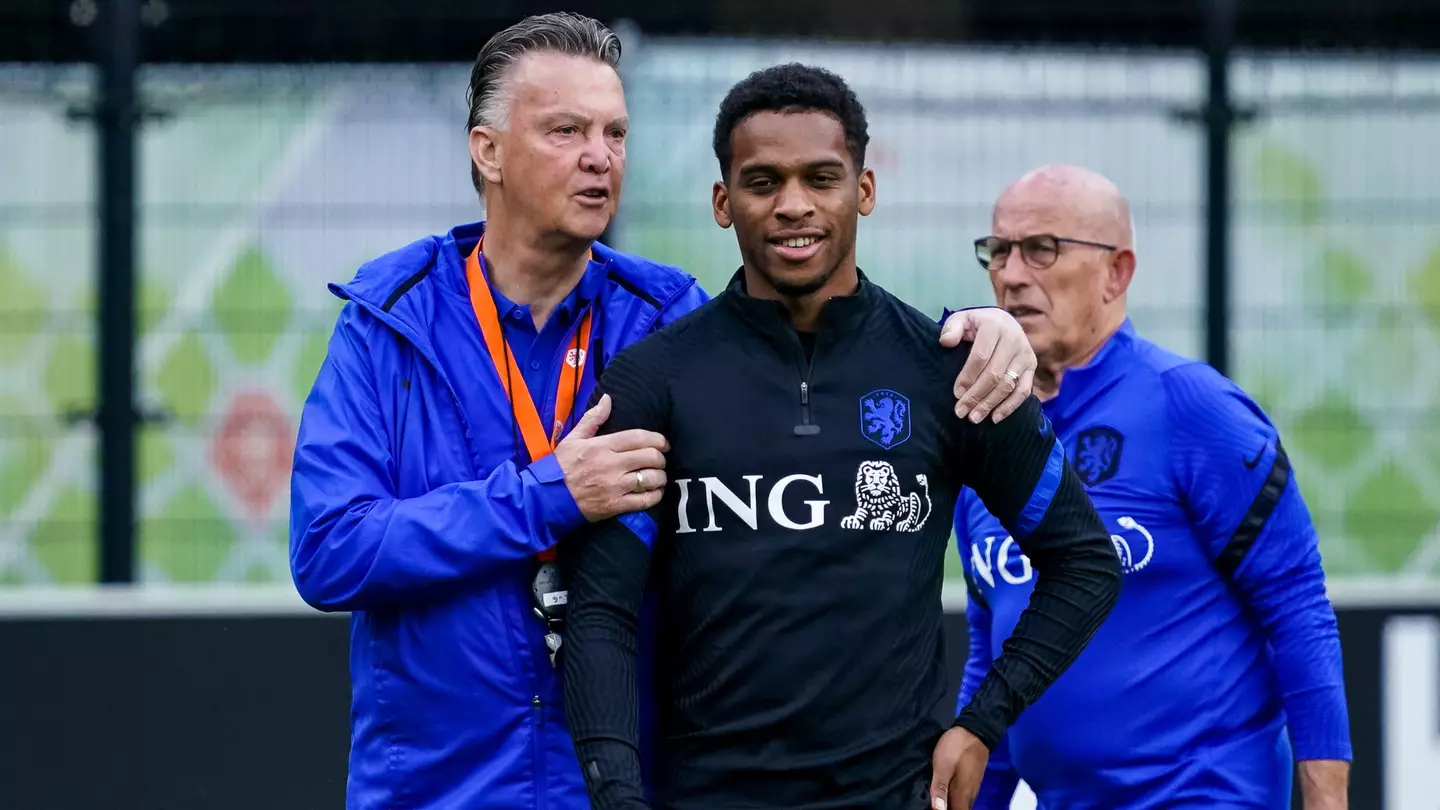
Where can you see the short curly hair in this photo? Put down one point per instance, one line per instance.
(791, 87)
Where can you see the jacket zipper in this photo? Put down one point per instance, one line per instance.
(541, 786)
(541, 653)
(537, 650)
(806, 428)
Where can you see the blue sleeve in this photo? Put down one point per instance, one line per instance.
(997, 789)
(947, 312)
(683, 304)
(355, 545)
(1243, 498)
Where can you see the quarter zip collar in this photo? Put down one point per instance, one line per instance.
(842, 313)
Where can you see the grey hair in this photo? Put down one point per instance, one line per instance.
(561, 32)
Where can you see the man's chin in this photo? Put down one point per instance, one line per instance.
(797, 284)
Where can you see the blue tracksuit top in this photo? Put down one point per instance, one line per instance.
(411, 508)
(1223, 636)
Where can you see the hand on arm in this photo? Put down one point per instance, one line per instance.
(356, 544)
(1000, 371)
(615, 473)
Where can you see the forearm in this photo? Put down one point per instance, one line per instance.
(1282, 581)
(602, 706)
(1025, 481)
(381, 551)
(1074, 592)
(1325, 784)
(607, 567)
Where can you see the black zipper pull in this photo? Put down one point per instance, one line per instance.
(805, 428)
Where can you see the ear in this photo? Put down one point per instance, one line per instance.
(485, 153)
(867, 192)
(720, 205)
(1121, 272)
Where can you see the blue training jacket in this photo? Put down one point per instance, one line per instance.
(1223, 638)
(408, 509)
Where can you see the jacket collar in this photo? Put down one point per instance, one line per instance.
(1082, 384)
(839, 313)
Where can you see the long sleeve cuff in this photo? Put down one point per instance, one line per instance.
(560, 515)
(1319, 724)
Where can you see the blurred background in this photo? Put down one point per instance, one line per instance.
(179, 179)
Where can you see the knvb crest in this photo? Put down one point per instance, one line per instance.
(1097, 454)
(885, 418)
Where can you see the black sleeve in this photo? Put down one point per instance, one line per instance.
(606, 566)
(1018, 469)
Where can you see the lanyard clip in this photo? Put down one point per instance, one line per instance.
(550, 600)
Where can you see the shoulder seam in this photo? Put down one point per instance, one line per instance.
(405, 287)
(633, 288)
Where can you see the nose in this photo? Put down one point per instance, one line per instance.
(595, 157)
(792, 202)
(1013, 273)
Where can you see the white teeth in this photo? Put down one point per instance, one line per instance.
(804, 241)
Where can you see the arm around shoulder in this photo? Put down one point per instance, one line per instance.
(354, 543)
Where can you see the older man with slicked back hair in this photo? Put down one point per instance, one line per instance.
(443, 453)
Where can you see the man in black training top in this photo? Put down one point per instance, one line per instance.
(798, 554)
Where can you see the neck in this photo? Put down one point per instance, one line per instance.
(805, 309)
(1050, 370)
(530, 269)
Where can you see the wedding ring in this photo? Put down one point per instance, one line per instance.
(639, 482)
(1012, 375)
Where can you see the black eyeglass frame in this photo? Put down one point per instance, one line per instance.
(1028, 244)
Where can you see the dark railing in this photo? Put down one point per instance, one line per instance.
(120, 37)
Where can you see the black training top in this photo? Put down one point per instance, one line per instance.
(797, 560)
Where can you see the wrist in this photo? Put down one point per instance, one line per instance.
(561, 513)
(977, 726)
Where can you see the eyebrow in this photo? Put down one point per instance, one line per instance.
(828, 163)
(557, 117)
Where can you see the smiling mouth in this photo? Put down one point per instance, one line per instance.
(798, 242)
(797, 249)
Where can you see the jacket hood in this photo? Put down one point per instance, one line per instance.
(399, 287)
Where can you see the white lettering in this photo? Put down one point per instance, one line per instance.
(982, 564)
(1026, 571)
(684, 507)
(745, 511)
(1412, 748)
(777, 503)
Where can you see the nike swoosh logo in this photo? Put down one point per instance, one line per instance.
(1251, 462)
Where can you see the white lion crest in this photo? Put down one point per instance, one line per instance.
(879, 503)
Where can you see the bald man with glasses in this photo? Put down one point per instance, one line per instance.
(1220, 666)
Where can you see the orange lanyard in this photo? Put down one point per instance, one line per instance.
(537, 443)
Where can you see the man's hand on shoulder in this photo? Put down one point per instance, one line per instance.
(957, 769)
(613, 474)
(1000, 372)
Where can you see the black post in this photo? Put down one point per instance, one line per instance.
(1219, 121)
(117, 119)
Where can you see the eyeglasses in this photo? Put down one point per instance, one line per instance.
(1039, 251)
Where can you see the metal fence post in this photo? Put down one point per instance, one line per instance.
(1219, 124)
(117, 120)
